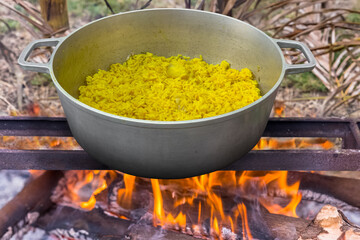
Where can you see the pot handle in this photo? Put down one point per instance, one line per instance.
(37, 67)
(297, 68)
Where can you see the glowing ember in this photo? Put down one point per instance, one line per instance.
(34, 143)
(36, 173)
(267, 143)
(279, 107)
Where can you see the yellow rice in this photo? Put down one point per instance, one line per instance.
(178, 88)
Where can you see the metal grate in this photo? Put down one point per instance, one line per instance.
(347, 158)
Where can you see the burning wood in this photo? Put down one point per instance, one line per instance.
(71, 223)
(222, 204)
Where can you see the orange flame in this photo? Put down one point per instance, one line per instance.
(199, 213)
(36, 173)
(215, 227)
(279, 179)
(205, 189)
(83, 186)
(279, 108)
(266, 143)
(195, 199)
(246, 234)
(125, 194)
(204, 195)
(160, 218)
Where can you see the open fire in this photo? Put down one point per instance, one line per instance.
(220, 205)
(212, 205)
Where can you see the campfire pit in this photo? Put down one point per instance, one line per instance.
(231, 204)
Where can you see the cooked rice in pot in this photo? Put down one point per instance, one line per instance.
(178, 88)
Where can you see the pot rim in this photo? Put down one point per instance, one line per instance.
(165, 124)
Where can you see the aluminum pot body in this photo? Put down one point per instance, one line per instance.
(160, 149)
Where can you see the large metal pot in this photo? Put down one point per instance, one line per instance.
(166, 149)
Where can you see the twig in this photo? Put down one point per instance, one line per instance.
(244, 8)
(213, 6)
(19, 87)
(331, 96)
(48, 99)
(201, 5)
(146, 4)
(31, 9)
(26, 25)
(109, 7)
(48, 12)
(337, 90)
(40, 24)
(6, 83)
(7, 53)
(7, 102)
(302, 16)
(332, 108)
(306, 99)
(6, 24)
(228, 7)
(187, 4)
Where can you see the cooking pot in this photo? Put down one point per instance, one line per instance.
(166, 149)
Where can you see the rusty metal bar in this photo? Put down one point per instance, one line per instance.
(34, 126)
(298, 160)
(316, 127)
(355, 132)
(339, 160)
(47, 160)
(277, 127)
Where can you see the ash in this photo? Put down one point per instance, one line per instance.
(35, 233)
(11, 183)
(309, 209)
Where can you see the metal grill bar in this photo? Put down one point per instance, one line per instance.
(340, 160)
(298, 160)
(347, 129)
(34, 126)
(316, 160)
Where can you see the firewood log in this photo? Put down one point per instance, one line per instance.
(34, 197)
